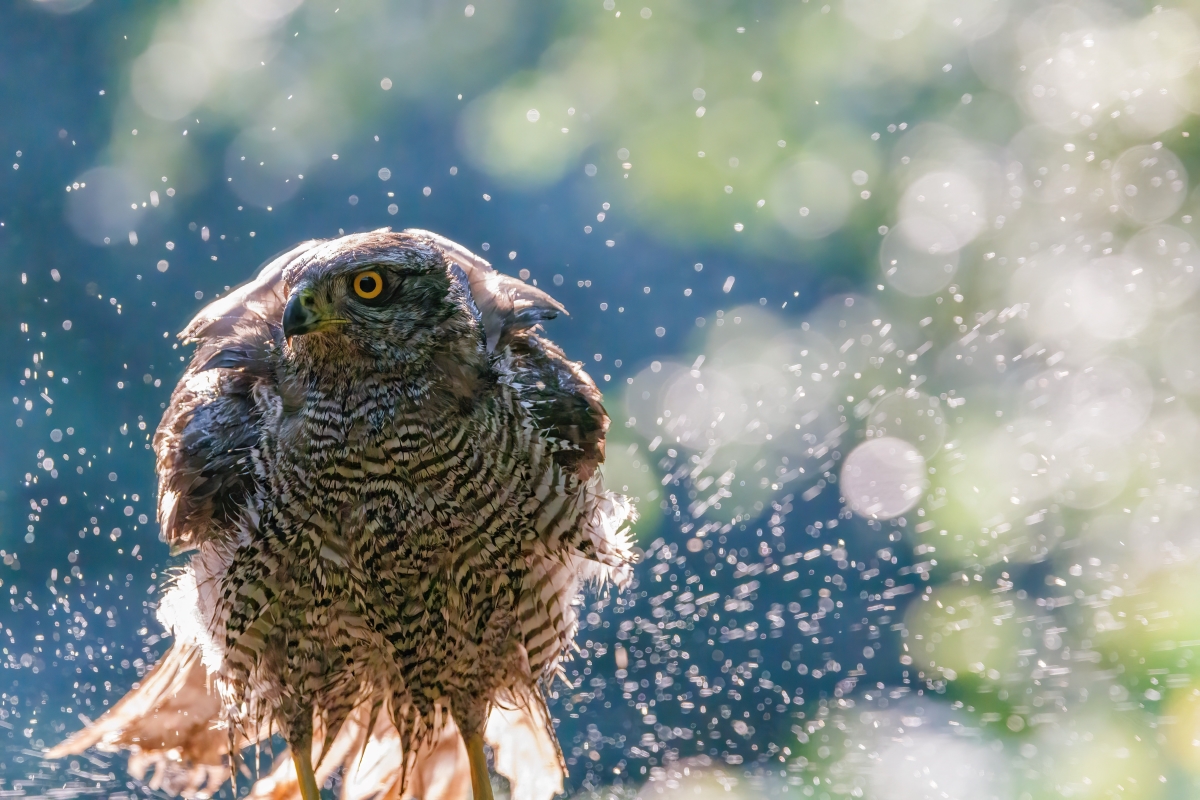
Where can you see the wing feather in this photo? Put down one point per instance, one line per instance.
(262, 298)
(205, 440)
(562, 399)
(204, 448)
(167, 722)
(506, 304)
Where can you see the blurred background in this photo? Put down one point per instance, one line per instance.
(893, 303)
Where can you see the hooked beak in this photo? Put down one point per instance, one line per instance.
(302, 315)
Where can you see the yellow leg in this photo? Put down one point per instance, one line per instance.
(481, 783)
(302, 757)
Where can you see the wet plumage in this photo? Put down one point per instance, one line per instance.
(390, 483)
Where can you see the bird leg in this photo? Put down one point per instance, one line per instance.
(481, 782)
(470, 715)
(302, 758)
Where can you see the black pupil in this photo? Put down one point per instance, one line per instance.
(367, 284)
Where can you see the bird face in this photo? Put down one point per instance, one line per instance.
(393, 308)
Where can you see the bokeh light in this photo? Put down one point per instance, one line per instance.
(893, 304)
(882, 478)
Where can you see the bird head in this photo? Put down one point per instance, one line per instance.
(391, 298)
(397, 298)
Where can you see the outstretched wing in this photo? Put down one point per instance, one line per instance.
(203, 444)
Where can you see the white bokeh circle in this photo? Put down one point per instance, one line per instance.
(949, 198)
(169, 80)
(1168, 255)
(883, 478)
(919, 256)
(1150, 182)
(1180, 354)
(811, 198)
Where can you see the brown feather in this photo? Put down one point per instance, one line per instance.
(168, 722)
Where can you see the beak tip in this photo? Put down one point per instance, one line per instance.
(297, 319)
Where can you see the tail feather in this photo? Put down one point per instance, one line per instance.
(167, 724)
(525, 748)
(371, 760)
(282, 783)
(441, 771)
(521, 736)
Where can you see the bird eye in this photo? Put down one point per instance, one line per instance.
(368, 285)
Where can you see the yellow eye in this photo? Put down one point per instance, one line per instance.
(368, 285)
